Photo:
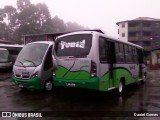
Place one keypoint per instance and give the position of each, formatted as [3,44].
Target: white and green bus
[90,59]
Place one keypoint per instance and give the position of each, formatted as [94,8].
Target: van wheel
[48,86]
[121,87]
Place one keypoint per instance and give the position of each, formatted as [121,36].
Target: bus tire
[121,87]
[48,85]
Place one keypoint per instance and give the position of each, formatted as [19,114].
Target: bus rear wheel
[48,86]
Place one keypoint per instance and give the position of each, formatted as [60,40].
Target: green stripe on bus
[62,72]
[118,73]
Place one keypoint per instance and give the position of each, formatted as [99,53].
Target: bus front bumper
[33,83]
[92,83]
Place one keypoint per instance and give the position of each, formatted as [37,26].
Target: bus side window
[119,53]
[110,51]
[135,57]
[130,60]
[102,50]
[128,53]
[48,60]
[106,51]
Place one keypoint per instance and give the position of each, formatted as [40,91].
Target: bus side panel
[119,71]
[104,77]
[73,69]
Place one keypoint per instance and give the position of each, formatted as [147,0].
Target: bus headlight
[34,75]
[54,71]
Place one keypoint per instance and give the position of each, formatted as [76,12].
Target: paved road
[78,102]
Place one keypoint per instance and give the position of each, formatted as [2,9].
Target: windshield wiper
[31,62]
[21,63]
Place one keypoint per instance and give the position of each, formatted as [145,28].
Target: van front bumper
[33,83]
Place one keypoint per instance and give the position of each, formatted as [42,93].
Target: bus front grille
[25,77]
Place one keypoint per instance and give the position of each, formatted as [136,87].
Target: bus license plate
[71,84]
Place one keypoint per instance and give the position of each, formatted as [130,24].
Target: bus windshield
[74,45]
[31,55]
[4,54]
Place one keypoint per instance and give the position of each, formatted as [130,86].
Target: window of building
[157,24]
[123,25]
[147,43]
[132,24]
[123,34]
[156,34]
[146,24]
[147,34]
[132,34]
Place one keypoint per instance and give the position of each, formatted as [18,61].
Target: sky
[98,14]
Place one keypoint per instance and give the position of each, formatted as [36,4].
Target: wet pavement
[71,103]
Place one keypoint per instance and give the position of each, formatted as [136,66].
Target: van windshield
[4,54]
[74,45]
[31,55]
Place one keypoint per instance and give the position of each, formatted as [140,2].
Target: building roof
[146,19]
[6,42]
[141,19]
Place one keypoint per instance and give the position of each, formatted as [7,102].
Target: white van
[33,67]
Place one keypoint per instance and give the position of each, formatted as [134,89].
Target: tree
[58,25]
[33,19]
[30,19]
[7,19]
[73,26]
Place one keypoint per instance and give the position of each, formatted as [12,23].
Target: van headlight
[34,75]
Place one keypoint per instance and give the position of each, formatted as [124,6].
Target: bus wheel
[48,86]
[121,87]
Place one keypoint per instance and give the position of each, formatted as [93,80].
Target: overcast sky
[102,14]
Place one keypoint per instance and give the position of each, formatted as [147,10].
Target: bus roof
[100,34]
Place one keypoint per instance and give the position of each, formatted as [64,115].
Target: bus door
[134,68]
[107,60]
[47,66]
[111,60]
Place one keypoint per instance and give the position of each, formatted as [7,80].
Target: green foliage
[30,19]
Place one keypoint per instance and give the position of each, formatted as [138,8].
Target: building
[145,32]
[6,42]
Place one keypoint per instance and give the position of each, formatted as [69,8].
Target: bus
[90,59]
[5,61]
[33,67]
[13,50]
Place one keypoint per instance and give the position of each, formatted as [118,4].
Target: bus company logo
[6,114]
[78,44]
